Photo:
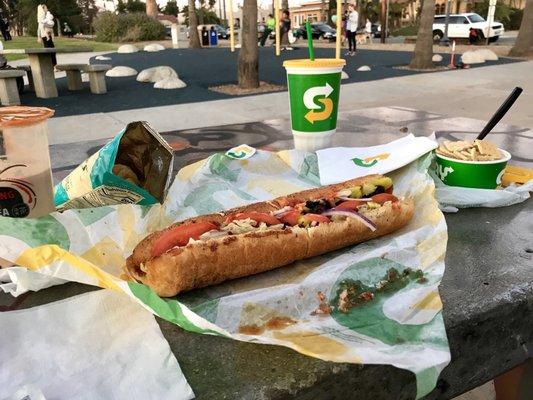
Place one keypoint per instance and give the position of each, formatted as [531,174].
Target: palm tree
[248,66]
[194,39]
[424,41]
[524,42]
[151,8]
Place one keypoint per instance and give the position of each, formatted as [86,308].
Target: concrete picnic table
[42,68]
[487,288]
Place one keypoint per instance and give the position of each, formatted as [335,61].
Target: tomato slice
[316,218]
[384,197]
[180,235]
[256,216]
[291,218]
[389,190]
[349,205]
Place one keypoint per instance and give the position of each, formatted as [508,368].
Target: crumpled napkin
[452,198]
[98,345]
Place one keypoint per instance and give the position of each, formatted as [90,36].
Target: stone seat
[27,69]
[9,94]
[97,77]
[73,75]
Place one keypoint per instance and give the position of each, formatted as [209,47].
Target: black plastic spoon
[498,115]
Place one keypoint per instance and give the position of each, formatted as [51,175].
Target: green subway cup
[314,88]
[471,174]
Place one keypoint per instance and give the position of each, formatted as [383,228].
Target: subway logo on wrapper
[370,161]
[241,152]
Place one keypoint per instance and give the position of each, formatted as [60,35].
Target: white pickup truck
[459,26]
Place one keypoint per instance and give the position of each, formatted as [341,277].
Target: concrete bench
[9,94]
[27,69]
[97,77]
[73,75]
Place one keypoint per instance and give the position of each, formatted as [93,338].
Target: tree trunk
[424,42]
[151,8]
[323,11]
[284,4]
[194,38]
[248,66]
[524,42]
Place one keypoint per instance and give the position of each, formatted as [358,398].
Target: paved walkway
[201,69]
[474,93]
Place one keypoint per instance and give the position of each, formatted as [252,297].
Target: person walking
[270,26]
[47,30]
[67,31]
[351,29]
[368,30]
[285,28]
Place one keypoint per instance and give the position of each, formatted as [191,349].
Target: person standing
[270,25]
[3,27]
[351,29]
[47,31]
[285,28]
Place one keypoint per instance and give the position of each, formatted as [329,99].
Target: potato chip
[457,146]
[479,150]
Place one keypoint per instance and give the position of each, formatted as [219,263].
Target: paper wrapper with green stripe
[402,327]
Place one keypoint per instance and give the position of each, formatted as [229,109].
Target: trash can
[213,36]
[205,37]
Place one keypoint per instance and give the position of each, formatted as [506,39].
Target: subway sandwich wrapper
[135,167]
[396,320]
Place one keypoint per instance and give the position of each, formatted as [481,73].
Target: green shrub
[515,19]
[501,14]
[134,27]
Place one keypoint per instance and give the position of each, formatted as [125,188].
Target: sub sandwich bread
[243,241]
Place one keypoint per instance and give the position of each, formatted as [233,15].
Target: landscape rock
[153,47]
[364,68]
[344,75]
[170,83]
[436,58]
[121,71]
[487,54]
[102,58]
[472,57]
[127,48]
[156,74]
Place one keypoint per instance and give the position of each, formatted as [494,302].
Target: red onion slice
[369,224]
[282,211]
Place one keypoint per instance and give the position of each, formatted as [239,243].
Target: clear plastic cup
[26,188]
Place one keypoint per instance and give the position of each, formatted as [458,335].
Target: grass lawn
[410,30]
[26,42]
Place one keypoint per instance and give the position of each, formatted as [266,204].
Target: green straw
[310,41]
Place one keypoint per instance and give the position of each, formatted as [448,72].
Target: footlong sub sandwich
[210,249]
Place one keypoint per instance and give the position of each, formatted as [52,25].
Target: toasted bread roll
[207,262]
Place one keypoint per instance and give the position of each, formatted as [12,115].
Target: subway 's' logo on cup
[314,101]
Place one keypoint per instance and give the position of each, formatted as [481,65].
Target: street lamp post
[445,40]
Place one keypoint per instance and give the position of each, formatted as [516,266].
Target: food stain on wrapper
[134,167]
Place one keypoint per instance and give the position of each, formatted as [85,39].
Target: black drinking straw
[498,115]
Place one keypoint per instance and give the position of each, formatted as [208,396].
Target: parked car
[459,26]
[319,30]
[223,33]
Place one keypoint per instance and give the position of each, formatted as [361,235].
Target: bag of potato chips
[134,167]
